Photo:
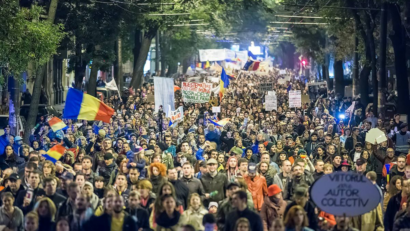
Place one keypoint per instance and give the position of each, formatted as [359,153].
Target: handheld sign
[345,193]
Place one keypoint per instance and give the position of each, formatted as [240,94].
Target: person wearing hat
[273,207]
[345,166]
[311,145]
[108,172]
[361,165]
[401,139]
[18,142]
[214,181]
[226,205]
[14,185]
[256,185]
[337,162]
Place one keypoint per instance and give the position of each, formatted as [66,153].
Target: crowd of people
[139,173]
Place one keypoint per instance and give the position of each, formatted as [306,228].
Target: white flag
[111,85]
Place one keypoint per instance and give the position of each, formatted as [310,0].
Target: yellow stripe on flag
[89,108]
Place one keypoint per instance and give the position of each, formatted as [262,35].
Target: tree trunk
[92,82]
[35,100]
[325,74]
[137,46]
[372,49]
[355,79]
[364,84]
[157,58]
[164,50]
[398,39]
[118,66]
[339,80]
[173,68]
[137,75]
[383,73]
[80,67]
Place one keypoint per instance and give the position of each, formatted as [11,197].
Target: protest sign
[305,99]
[216,109]
[177,115]
[265,87]
[196,92]
[271,102]
[271,92]
[282,72]
[345,194]
[164,95]
[281,81]
[295,99]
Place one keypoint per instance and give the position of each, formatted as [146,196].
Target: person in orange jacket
[257,186]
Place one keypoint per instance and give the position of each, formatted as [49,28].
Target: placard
[295,98]
[271,102]
[265,87]
[177,115]
[305,99]
[282,72]
[345,194]
[196,92]
[216,109]
[271,92]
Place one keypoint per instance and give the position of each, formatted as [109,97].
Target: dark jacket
[317,175]
[46,224]
[402,223]
[253,218]
[156,182]
[225,207]
[395,172]
[293,183]
[142,216]
[65,209]
[217,183]
[310,147]
[103,223]
[15,161]
[349,142]
[182,192]
[392,208]
[310,212]
[57,199]
[194,185]
[272,210]
[20,199]
[14,194]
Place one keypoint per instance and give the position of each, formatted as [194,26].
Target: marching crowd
[138,172]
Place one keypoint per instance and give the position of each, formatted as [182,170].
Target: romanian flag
[86,107]
[198,65]
[223,83]
[220,123]
[56,124]
[251,65]
[55,153]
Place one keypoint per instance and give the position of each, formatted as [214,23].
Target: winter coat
[182,192]
[392,208]
[258,188]
[272,177]
[194,217]
[402,223]
[194,185]
[371,221]
[156,182]
[270,211]
[216,183]
[253,218]
[164,223]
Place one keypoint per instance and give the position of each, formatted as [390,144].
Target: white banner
[177,115]
[211,55]
[282,72]
[216,109]
[164,94]
[242,55]
[295,99]
[271,102]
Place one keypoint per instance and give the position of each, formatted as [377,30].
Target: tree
[24,39]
